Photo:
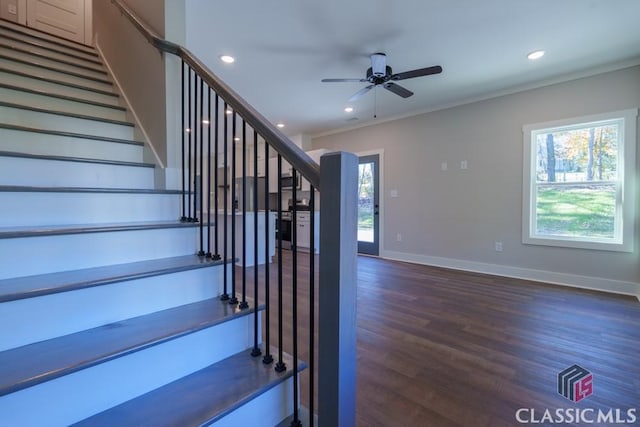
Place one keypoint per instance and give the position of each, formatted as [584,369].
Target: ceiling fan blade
[398,90]
[436,69]
[342,80]
[361,92]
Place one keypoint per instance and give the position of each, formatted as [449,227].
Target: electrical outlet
[463,165]
[444,166]
[12,9]
[399,237]
[498,246]
[394,193]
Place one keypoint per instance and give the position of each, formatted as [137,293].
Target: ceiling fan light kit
[381,74]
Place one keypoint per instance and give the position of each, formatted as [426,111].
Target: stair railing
[217,122]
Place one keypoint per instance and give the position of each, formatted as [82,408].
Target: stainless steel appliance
[250,190]
[284,229]
[288,182]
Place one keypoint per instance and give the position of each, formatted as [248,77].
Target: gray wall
[139,68]
[454,217]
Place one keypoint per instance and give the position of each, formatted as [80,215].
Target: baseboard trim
[555,278]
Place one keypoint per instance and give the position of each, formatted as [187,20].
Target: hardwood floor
[439,347]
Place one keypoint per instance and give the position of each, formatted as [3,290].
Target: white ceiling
[283,48]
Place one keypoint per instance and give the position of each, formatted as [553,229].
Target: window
[578,182]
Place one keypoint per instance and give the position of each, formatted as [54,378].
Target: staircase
[108,318]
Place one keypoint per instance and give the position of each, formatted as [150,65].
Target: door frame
[381,208]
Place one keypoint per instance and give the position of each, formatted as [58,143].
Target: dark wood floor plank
[439,347]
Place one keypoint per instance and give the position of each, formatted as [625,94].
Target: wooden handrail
[293,154]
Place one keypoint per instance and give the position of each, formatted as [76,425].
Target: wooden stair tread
[74,159]
[51,283]
[33,364]
[55,69]
[63,97]
[69,134]
[200,398]
[58,82]
[64,113]
[30,189]
[57,230]
[69,62]
[41,35]
[94,59]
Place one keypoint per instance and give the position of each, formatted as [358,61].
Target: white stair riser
[49,74]
[22,38]
[267,409]
[54,145]
[79,58]
[111,383]
[58,42]
[58,89]
[33,208]
[22,117]
[47,254]
[65,313]
[56,104]
[93,73]
[54,173]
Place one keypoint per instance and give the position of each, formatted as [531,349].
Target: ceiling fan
[381,74]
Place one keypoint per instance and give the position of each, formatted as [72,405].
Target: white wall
[453,218]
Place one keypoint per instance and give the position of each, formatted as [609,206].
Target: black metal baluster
[225,294]
[200,127]
[216,255]
[312,303]
[234,299]
[294,291]
[280,366]
[268,358]
[209,172]
[189,157]
[256,349]
[244,304]
[184,130]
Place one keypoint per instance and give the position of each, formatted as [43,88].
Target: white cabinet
[303,230]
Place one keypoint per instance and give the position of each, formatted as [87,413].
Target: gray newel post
[337,290]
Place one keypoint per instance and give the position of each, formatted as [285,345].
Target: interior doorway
[369,204]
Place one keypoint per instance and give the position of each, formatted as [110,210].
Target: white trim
[88,22]
[551,277]
[381,206]
[145,135]
[624,238]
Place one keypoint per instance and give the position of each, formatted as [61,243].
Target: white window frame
[626,198]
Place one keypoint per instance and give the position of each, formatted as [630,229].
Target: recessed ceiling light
[536,54]
[227,59]
[187,130]
[348,109]
[205,122]
[228,111]
[236,138]
[280,125]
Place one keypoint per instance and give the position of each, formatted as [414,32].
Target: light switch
[444,166]
[394,193]
[12,9]
[463,165]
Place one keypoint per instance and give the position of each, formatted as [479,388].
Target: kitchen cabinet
[303,227]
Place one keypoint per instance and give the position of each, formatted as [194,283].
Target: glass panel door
[368,205]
